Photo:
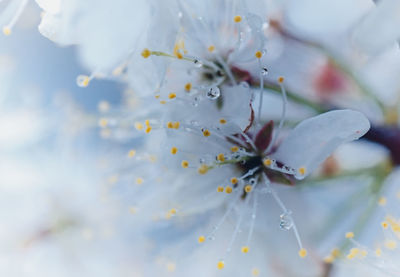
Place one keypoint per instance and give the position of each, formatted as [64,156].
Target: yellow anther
[330,259]
[153,158]
[83,80]
[349,235]
[139,180]
[103,122]
[245,249]
[163,102]
[350,256]
[268,162]
[6,30]
[138,126]
[221,157]
[170,125]
[220,188]
[201,239]
[188,87]
[222,121]
[385,225]
[147,122]
[302,252]
[157,96]
[132,210]
[234,180]
[211,48]
[203,169]
[220,265]
[146,53]
[354,251]
[258,54]
[248,188]
[382,201]
[172,211]
[171,267]
[234,149]
[302,170]
[206,133]
[228,189]
[174,150]
[185,164]
[237,18]
[364,253]
[378,252]
[148,129]
[281,80]
[390,244]
[335,252]
[131,153]
[172,95]
[176,125]
[255,272]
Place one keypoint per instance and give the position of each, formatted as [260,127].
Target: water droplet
[196,101]
[213,93]
[202,160]
[244,84]
[252,181]
[286,221]
[82,81]
[197,63]
[194,123]
[211,238]
[264,71]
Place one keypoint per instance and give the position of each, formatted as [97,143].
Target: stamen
[253,218]
[286,212]
[237,18]
[185,164]
[131,153]
[174,150]
[201,239]
[7,29]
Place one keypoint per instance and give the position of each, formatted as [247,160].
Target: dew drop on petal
[196,101]
[286,222]
[264,71]
[197,63]
[213,93]
[252,181]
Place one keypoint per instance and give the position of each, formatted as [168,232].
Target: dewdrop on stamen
[84,80]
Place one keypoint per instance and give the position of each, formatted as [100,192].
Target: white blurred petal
[380,28]
[314,139]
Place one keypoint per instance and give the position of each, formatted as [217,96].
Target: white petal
[380,28]
[322,17]
[314,139]
[50,6]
